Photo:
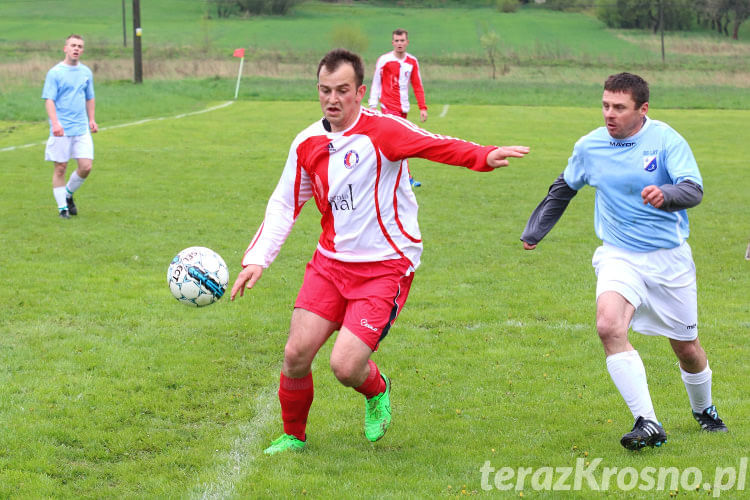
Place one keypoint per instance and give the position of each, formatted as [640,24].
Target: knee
[690,353]
[84,170]
[296,361]
[345,371]
[608,329]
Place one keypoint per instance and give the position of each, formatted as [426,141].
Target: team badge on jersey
[649,163]
[351,158]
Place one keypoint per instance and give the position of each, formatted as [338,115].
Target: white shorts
[660,285]
[62,149]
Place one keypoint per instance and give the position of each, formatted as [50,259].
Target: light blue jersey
[619,169]
[70,87]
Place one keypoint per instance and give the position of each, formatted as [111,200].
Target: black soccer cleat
[64,214]
[71,205]
[710,421]
[645,433]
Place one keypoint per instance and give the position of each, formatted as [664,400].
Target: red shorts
[386,111]
[365,297]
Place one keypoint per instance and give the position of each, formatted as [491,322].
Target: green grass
[121,102]
[176,28]
[110,388]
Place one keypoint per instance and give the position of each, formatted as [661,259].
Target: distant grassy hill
[546,57]
[191,29]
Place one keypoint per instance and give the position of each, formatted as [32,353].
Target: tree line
[678,15]
[723,16]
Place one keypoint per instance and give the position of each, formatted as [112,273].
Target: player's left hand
[93,126]
[423,115]
[498,157]
[652,194]
[246,279]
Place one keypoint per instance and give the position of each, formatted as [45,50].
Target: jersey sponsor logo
[649,163]
[351,158]
[364,323]
[343,201]
[621,144]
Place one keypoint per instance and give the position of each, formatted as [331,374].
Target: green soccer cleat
[283,443]
[378,413]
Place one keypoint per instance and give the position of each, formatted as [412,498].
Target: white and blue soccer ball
[197,276]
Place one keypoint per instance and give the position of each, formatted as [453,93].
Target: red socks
[373,384]
[296,397]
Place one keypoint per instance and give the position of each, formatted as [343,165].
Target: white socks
[74,182]
[698,386]
[629,375]
[60,194]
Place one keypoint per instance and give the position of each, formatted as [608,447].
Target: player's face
[399,42]
[339,96]
[73,50]
[621,116]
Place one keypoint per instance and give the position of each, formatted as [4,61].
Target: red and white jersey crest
[361,187]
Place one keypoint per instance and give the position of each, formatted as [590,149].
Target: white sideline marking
[241,457]
[560,325]
[445,111]
[139,122]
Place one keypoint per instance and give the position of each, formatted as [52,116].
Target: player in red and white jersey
[351,164]
[394,72]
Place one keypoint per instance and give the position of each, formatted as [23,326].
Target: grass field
[110,388]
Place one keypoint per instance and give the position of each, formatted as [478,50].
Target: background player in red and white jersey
[394,72]
[352,163]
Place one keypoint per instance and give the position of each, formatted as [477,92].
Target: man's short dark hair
[337,57]
[630,83]
[400,31]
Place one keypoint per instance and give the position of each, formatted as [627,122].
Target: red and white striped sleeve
[377,84]
[401,139]
[416,84]
[286,202]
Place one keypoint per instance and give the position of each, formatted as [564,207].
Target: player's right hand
[246,279]
[528,246]
[57,130]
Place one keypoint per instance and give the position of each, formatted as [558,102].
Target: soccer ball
[197,276]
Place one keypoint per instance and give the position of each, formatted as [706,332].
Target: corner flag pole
[241,54]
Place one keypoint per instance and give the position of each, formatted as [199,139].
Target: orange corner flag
[239,53]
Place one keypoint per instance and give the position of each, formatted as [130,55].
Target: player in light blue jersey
[69,100]
[645,177]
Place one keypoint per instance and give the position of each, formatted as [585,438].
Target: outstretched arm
[547,213]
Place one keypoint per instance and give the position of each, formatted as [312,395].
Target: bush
[350,37]
[226,8]
[568,5]
[507,5]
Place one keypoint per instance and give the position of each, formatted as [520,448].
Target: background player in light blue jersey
[69,100]
[645,177]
